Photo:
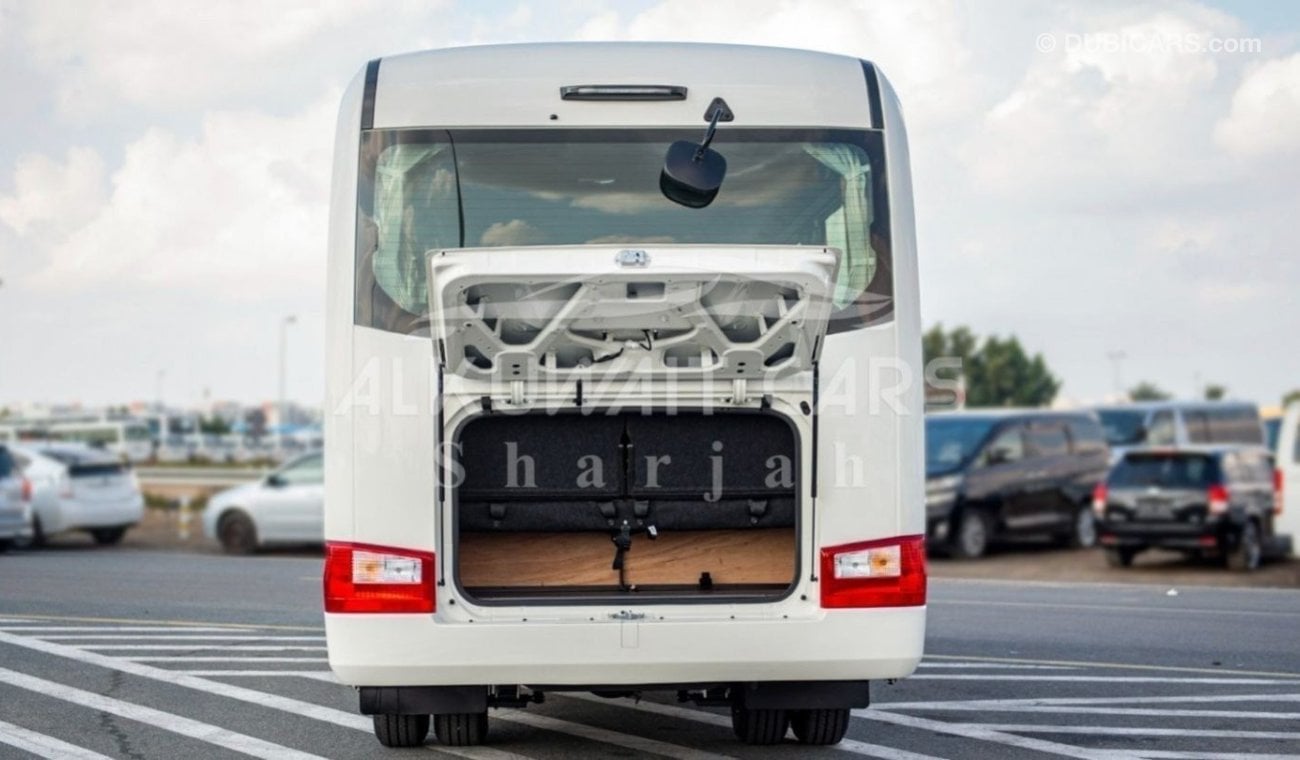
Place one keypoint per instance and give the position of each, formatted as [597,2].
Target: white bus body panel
[381,429]
[1288,461]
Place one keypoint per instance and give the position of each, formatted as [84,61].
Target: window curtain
[415,211]
[849,229]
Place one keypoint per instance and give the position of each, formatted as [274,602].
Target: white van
[1179,424]
[1287,459]
[624,386]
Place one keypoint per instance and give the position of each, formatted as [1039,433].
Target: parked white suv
[75,487]
[15,502]
[285,507]
[1287,477]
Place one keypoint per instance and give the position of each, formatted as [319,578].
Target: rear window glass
[1123,427]
[1088,436]
[1165,471]
[95,469]
[1047,440]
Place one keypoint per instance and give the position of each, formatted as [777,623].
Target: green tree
[1291,397]
[997,371]
[213,425]
[1215,392]
[1145,391]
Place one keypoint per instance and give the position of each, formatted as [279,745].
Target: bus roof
[519,85]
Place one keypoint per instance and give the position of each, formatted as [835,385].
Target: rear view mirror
[998,455]
[693,173]
[275,480]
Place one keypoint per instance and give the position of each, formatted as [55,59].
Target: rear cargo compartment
[571,507]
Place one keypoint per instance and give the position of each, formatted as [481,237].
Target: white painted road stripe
[161,658]
[1103,679]
[317,675]
[167,721]
[1199,733]
[110,629]
[308,709]
[44,746]
[1044,701]
[984,665]
[983,734]
[203,647]
[1076,710]
[176,637]
[1152,754]
[700,716]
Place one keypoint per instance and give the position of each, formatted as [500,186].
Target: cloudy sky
[1089,176]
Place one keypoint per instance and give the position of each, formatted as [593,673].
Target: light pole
[280,407]
[1116,358]
[158,389]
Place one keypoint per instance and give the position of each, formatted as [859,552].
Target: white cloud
[53,196]
[160,54]
[241,207]
[1265,116]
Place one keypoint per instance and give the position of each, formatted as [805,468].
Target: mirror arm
[708,135]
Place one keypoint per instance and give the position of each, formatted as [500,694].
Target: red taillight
[365,578]
[1100,495]
[884,573]
[1217,496]
[27,490]
[1277,491]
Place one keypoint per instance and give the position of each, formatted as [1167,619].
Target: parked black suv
[1203,500]
[996,473]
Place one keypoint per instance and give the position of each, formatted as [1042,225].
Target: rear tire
[461,729]
[35,540]
[759,726]
[1083,530]
[108,536]
[1120,556]
[973,535]
[237,533]
[822,726]
[6,544]
[401,730]
[1249,552]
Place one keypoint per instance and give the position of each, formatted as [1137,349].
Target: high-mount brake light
[1217,496]
[378,579]
[884,573]
[623,92]
[1100,495]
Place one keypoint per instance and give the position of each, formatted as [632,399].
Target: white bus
[624,386]
[129,439]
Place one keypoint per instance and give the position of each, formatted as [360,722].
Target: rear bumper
[1211,534]
[835,645]
[76,514]
[13,524]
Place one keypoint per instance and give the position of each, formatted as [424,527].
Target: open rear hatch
[576,495]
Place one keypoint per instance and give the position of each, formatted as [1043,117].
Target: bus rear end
[587,434]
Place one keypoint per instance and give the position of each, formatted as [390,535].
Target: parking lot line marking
[1078,710]
[205,647]
[1118,608]
[1036,701]
[174,637]
[313,674]
[301,708]
[155,622]
[1103,679]
[162,658]
[44,746]
[1199,733]
[700,716]
[970,731]
[177,724]
[1155,754]
[605,736]
[1122,665]
[107,629]
[984,665]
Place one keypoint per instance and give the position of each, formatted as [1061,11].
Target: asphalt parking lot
[147,654]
